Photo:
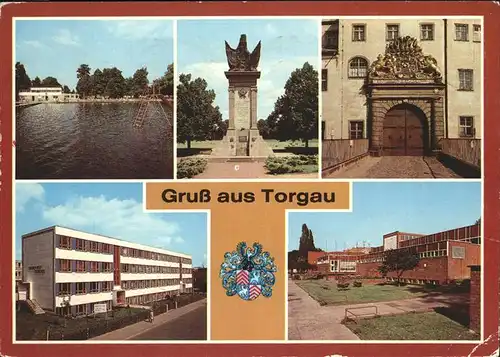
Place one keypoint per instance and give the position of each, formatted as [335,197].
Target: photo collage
[315,178]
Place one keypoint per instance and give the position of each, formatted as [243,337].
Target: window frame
[354,31]
[463,126]
[467,30]
[465,88]
[357,76]
[356,122]
[324,79]
[387,38]
[479,32]
[432,31]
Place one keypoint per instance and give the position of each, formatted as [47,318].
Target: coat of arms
[248,272]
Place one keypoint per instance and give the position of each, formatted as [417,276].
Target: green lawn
[275,144]
[326,292]
[413,326]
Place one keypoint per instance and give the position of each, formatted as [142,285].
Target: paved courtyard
[395,167]
[307,320]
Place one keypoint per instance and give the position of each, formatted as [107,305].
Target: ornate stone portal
[404,75]
[242,138]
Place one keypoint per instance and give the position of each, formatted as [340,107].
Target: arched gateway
[405,101]
[405,131]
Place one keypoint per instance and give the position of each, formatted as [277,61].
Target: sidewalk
[133,330]
[307,320]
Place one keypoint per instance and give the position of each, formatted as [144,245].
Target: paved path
[307,320]
[395,167]
[140,328]
[190,326]
[243,170]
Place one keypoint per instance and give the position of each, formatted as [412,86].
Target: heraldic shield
[248,272]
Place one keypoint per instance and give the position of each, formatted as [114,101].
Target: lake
[93,141]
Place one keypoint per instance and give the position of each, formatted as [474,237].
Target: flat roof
[108,240]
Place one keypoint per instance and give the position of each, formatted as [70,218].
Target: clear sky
[384,207]
[286,45]
[58,47]
[110,209]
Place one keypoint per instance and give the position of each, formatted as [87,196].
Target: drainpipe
[341,50]
[446,78]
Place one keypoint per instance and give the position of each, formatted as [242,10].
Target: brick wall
[475,298]
[427,269]
[460,268]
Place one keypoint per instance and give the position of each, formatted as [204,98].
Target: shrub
[189,167]
[342,285]
[357,284]
[289,164]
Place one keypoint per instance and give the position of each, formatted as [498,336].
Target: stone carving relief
[404,59]
[240,59]
[242,93]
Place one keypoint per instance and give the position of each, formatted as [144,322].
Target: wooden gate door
[403,133]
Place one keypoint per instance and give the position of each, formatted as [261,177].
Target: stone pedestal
[242,137]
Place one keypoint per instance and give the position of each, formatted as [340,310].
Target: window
[64,265]
[105,248]
[94,287]
[64,242]
[465,77]
[94,246]
[324,80]
[80,288]
[94,267]
[466,126]
[64,289]
[358,68]
[106,267]
[80,266]
[392,32]
[358,33]
[81,309]
[476,33]
[331,40]
[461,32]
[458,252]
[80,244]
[427,32]
[356,129]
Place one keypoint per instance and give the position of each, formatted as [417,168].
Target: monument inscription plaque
[242,112]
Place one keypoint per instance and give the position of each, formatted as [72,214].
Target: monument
[242,139]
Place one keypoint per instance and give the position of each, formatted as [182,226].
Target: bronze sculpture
[240,59]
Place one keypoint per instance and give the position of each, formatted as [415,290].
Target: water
[93,141]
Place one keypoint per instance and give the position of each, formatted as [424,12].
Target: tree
[398,261]
[37,82]
[478,221]
[98,83]
[140,82]
[23,81]
[84,84]
[295,114]
[165,84]
[264,129]
[197,117]
[50,82]
[66,89]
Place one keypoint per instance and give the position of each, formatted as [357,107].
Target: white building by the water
[46,94]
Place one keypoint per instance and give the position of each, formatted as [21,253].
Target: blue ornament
[248,272]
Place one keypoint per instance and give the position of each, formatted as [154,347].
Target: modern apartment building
[444,256]
[68,271]
[404,84]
